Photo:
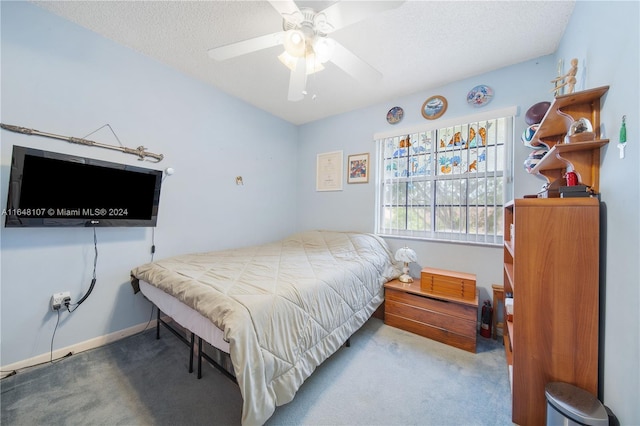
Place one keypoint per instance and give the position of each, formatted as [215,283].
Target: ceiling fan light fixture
[290,62]
[313,64]
[323,48]
[294,43]
[304,38]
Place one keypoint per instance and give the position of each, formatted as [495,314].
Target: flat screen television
[54,189]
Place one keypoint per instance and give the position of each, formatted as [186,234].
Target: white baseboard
[77,348]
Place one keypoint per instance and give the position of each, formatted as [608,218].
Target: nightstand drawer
[434,333]
[469,312]
[448,283]
[436,318]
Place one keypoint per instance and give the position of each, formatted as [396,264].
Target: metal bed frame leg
[191,344]
[199,357]
[179,336]
[158,325]
[191,353]
[214,363]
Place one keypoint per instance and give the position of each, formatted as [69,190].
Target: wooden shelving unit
[508,282]
[582,157]
[551,266]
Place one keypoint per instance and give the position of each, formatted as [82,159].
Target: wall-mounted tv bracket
[139,151]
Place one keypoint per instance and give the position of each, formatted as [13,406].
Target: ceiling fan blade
[288,9]
[298,81]
[247,46]
[351,64]
[345,13]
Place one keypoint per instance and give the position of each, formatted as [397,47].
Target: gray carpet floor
[387,377]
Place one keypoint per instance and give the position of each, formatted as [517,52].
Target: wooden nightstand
[446,319]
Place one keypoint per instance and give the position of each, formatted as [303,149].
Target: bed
[279,309]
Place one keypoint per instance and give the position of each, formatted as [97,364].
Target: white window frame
[490,239]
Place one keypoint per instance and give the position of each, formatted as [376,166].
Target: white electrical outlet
[59,299]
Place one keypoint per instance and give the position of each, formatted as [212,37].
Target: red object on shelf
[572,179]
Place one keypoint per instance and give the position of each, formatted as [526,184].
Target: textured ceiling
[416,46]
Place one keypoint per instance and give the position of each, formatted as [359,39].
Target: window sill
[497,245]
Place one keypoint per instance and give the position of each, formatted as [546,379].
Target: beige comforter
[284,307]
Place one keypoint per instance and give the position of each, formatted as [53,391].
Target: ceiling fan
[305,39]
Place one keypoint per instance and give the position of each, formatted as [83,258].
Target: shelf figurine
[569,79]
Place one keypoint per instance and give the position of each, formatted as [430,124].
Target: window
[447,182]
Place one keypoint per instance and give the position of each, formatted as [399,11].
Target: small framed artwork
[329,171]
[434,107]
[358,168]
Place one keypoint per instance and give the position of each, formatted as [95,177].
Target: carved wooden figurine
[569,79]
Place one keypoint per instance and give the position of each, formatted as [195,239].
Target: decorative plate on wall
[480,95]
[395,115]
[434,107]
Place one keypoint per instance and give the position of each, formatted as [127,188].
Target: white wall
[60,78]
[604,37]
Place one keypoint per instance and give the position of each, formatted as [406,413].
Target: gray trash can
[570,405]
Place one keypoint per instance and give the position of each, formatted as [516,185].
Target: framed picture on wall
[329,171]
[434,107]
[358,168]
